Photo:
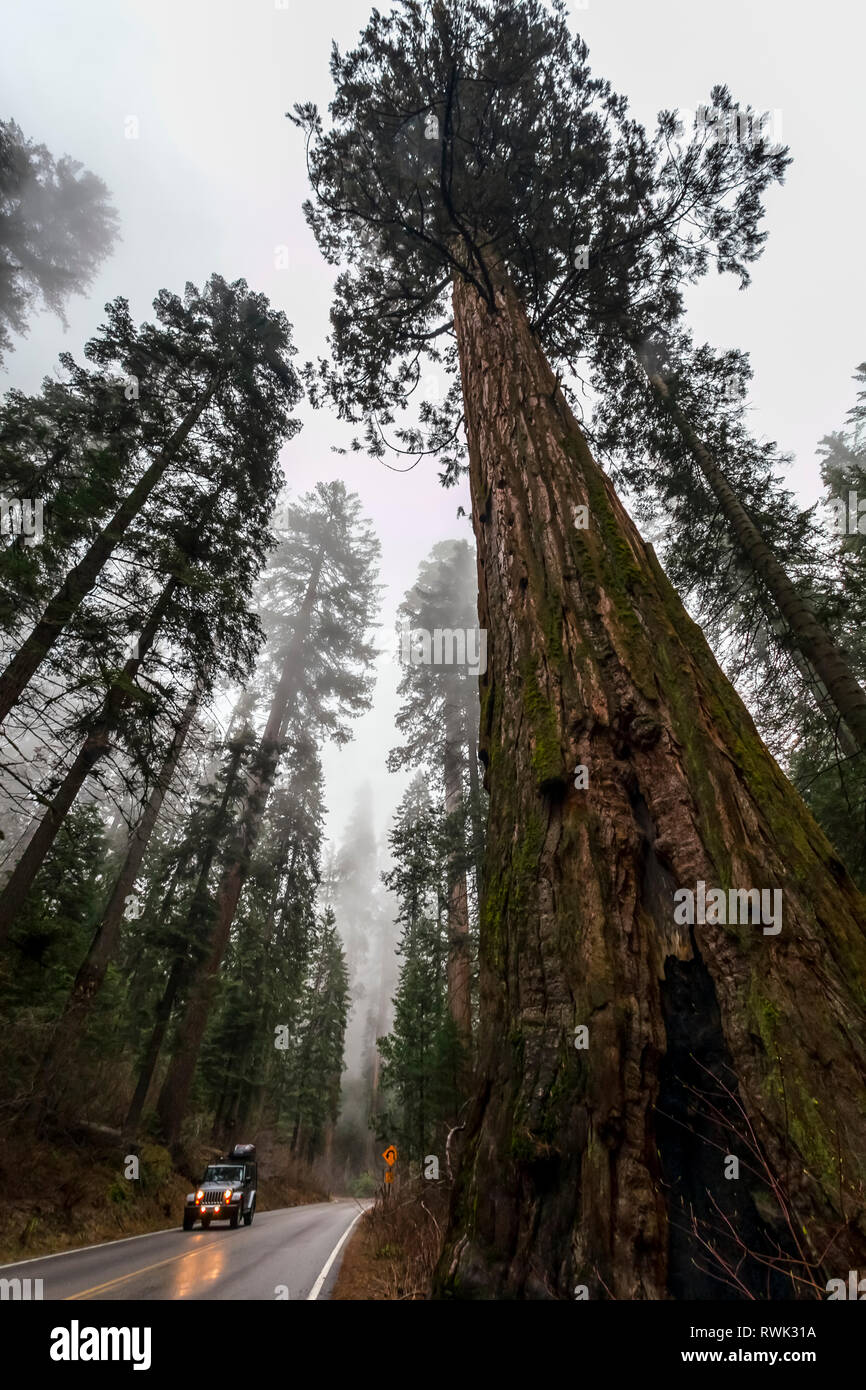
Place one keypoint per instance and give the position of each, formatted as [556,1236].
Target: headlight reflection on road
[190,1277]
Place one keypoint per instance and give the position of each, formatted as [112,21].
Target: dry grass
[395,1249]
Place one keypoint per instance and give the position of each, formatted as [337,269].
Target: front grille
[213,1199]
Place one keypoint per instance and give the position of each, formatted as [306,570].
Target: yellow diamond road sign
[390,1155]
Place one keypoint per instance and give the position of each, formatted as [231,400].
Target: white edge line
[317,1287]
[123,1240]
[100,1245]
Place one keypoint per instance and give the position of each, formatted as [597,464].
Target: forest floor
[70,1191]
[395,1246]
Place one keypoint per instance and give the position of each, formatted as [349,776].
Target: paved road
[285,1250]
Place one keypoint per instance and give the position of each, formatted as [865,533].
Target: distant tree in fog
[57,225]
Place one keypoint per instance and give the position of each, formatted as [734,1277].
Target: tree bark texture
[603,1167]
[458,968]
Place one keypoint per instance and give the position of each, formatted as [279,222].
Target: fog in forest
[432,466]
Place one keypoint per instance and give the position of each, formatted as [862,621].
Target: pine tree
[92,971]
[199,627]
[323,578]
[185,910]
[422,1055]
[213,371]
[352,888]
[200,612]
[439,717]
[56,227]
[52,934]
[268,961]
[315,1062]
[675,414]
[574,1170]
[794,714]
[69,451]
[830,773]
[600,224]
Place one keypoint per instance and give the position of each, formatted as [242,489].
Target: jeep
[227,1191]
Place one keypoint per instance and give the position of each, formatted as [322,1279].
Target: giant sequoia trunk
[459,974]
[604,1166]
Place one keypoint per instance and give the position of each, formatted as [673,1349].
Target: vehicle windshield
[217,1173]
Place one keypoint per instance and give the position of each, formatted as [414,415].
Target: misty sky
[216,179]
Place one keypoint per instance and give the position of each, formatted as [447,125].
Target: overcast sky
[216,179]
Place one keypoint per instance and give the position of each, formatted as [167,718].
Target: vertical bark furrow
[592,660]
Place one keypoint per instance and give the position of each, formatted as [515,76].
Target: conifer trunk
[594,1166]
[477,821]
[92,972]
[161,1019]
[178,1082]
[813,641]
[93,969]
[83,576]
[458,973]
[96,745]
[183,965]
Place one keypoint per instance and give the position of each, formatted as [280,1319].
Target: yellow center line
[173,1259]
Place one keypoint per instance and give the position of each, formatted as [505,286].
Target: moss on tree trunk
[601,1166]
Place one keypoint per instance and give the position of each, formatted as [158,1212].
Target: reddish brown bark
[582,1167]
[458,969]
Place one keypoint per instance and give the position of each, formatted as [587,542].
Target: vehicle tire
[205,1222]
[233,1219]
[248,1215]
[188,1220]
